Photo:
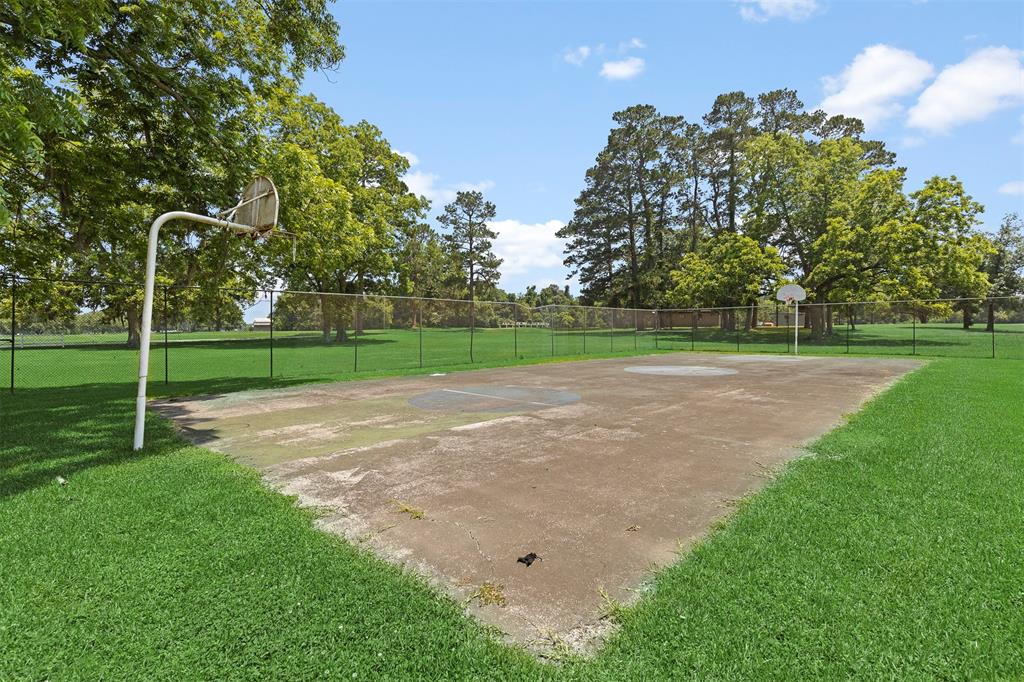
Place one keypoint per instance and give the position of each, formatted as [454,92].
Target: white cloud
[766,10]
[412,158]
[869,87]
[577,55]
[526,246]
[624,69]
[428,185]
[481,186]
[988,80]
[1013,188]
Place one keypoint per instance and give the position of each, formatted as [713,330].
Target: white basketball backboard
[790,293]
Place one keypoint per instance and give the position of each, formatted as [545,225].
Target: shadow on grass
[50,432]
[242,344]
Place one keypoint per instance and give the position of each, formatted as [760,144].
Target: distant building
[261,324]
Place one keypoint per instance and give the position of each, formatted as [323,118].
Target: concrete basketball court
[602,468]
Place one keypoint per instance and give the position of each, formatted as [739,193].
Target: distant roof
[261,320]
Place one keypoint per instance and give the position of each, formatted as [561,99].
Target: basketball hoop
[255,214]
[257,208]
[792,294]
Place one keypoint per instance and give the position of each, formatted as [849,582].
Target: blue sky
[516,98]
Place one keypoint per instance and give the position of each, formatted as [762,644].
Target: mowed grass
[894,550]
[252,355]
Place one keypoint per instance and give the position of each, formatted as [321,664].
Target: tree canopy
[813,200]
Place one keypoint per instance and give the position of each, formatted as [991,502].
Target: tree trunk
[816,317]
[134,327]
[728,319]
[828,320]
[968,318]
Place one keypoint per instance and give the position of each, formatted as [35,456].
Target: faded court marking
[764,358]
[492,399]
[681,370]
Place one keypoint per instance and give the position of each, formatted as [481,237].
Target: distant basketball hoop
[792,294]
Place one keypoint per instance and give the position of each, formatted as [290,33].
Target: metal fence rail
[68,333]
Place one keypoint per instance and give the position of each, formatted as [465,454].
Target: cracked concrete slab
[602,472]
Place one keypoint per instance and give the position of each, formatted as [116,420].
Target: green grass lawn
[894,550]
[247,355]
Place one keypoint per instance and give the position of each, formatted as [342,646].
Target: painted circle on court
[681,370]
[492,399]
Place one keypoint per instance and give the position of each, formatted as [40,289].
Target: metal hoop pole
[147,305]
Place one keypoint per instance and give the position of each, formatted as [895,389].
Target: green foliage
[552,294]
[803,183]
[468,239]
[730,269]
[117,112]
[1004,264]
[342,196]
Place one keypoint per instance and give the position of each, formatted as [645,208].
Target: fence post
[271,333]
[636,323]
[693,329]
[585,330]
[419,324]
[611,334]
[515,330]
[735,323]
[991,314]
[14,303]
[657,327]
[551,323]
[849,324]
[166,362]
[472,327]
[913,324]
[355,335]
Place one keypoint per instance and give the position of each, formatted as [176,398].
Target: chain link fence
[66,333]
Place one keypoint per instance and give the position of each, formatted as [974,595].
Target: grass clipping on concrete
[894,551]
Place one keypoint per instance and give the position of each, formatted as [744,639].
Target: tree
[839,218]
[342,195]
[728,267]
[955,250]
[423,267]
[729,127]
[139,108]
[1004,264]
[469,239]
[620,240]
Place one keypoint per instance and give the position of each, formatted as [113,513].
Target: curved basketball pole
[147,301]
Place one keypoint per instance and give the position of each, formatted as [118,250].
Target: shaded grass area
[178,564]
[190,357]
[893,552]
